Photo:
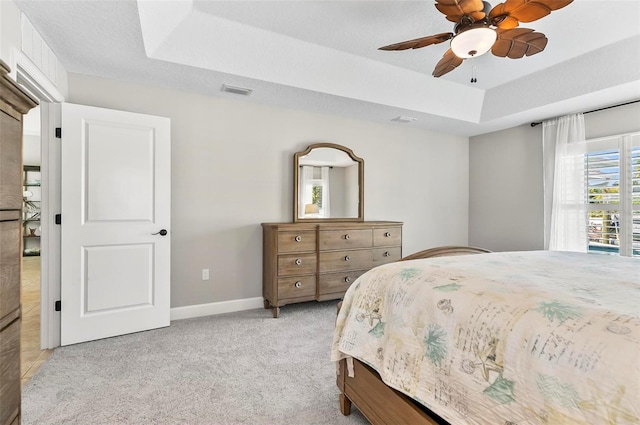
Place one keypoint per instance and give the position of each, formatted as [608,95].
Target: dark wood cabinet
[13,104]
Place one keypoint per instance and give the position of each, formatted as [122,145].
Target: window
[612,172]
[316,194]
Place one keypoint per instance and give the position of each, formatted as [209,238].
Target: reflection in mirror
[328,183]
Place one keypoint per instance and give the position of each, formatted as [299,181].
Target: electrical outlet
[205,274]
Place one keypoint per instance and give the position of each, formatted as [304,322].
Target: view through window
[612,168]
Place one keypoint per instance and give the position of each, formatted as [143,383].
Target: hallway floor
[31,355]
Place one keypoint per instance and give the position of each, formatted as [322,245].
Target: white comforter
[504,338]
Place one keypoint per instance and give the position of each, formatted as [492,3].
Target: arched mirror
[328,184]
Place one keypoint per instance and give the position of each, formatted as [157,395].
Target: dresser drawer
[333,261]
[386,255]
[295,264]
[345,239]
[10,372]
[10,256]
[387,236]
[331,283]
[296,286]
[296,241]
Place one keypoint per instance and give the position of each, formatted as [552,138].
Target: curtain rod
[533,124]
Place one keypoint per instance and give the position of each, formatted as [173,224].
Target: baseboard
[199,310]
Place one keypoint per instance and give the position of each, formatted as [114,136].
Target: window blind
[612,174]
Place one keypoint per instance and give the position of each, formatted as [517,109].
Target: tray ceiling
[322,56]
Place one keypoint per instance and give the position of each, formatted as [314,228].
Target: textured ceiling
[322,56]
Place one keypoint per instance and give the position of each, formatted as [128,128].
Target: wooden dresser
[318,261]
[13,103]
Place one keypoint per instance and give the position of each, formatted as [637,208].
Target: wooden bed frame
[379,403]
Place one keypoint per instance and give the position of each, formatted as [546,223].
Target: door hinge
[57,306]
[58,218]
[59,132]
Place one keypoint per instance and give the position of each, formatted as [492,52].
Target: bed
[536,337]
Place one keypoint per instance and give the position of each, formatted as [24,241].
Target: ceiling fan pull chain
[474,78]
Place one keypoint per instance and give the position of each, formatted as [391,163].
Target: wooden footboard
[379,403]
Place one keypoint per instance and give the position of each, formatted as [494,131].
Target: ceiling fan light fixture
[473,42]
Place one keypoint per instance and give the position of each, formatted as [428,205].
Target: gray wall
[505,189]
[505,180]
[232,168]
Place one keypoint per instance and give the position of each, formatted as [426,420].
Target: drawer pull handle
[347,279]
[347,258]
[298,238]
[386,254]
[298,284]
[387,234]
[346,237]
[298,261]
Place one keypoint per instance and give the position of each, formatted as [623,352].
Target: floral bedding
[536,337]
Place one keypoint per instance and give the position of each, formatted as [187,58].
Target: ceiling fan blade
[419,42]
[454,10]
[518,42]
[508,14]
[448,63]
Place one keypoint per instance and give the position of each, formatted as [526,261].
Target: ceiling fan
[479,28]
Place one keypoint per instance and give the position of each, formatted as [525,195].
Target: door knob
[162,232]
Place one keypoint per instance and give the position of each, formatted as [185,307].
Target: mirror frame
[296,177]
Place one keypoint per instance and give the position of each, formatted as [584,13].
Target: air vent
[236,90]
[404,119]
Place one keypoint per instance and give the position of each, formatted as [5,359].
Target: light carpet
[237,368]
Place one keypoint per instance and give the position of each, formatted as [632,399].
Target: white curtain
[306,184]
[326,207]
[565,196]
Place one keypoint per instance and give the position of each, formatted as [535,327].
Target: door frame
[32,79]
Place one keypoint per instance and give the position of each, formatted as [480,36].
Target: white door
[115,223]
